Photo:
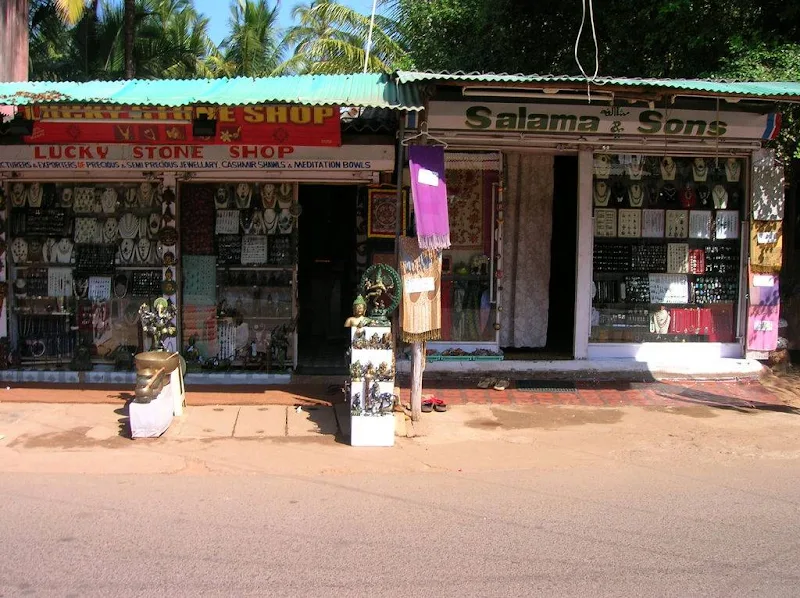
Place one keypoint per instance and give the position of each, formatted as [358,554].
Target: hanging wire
[589,79]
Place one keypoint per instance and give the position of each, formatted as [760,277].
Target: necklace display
[19,250]
[733,170]
[49,250]
[699,170]
[601,194]
[243,196]
[153,225]
[221,197]
[18,195]
[704,194]
[126,250]
[270,220]
[688,197]
[720,197]
[66,197]
[618,192]
[110,230]
[130,197]
[63,251]
[145,195]
[668,168]
[602,166]
[246,221]
[143,248]
[285,195]
[259,228]
[636,195]
[268,195]
[659,323]
[35,194]
[109,200]
[669,193]
[285,222]
[636,167]
[128,226]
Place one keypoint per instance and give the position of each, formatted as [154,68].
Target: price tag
[419,285]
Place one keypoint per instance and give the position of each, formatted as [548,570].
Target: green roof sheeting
[775,90]
[367,90]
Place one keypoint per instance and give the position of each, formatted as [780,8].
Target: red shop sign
[285,125]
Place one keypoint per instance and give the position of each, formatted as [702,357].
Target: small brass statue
[359,317]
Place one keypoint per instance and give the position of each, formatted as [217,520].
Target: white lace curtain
[528,227]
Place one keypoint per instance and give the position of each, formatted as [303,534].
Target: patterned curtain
[528,227]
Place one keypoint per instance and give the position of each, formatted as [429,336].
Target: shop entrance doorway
[326,276]
[563,256]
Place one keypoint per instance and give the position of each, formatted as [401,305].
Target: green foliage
[252,48]
[330,37]
[170,41]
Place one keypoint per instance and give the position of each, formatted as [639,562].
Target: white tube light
[599,96]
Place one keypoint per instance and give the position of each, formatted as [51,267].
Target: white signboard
[600,120]
[669,288]
[99,156]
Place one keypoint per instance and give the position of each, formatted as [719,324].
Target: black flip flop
[427,406]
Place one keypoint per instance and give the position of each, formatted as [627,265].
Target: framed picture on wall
[382,213]
[383,257]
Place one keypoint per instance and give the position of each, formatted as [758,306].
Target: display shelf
[270,268]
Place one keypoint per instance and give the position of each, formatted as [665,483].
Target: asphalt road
[621,529]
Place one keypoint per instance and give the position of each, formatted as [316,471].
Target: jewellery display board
[76,253]
[666,242]
[239,302]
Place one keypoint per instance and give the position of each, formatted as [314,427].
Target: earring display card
[653,224]
[697,261]
[605,222]
[630,223]
[649,258]
[678,258]
[59,282]
[227,222]
[726,224]
[99,288]
[700,224]
[254,250]
[677,224]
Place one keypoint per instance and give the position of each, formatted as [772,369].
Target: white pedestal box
[151,420]
[372,430]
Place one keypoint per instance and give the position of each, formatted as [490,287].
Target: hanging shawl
[429,191]
[422,309]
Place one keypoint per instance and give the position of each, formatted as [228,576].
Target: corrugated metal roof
[777,90]
[367,90]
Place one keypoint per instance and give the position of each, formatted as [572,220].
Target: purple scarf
[429,192]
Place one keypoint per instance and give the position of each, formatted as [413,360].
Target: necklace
[109,200]
[243,196]
[154,225]
[110,230]
[19,250]
[130,197]
[66,197]
[18,195]
[286,195]
[704,194]
[720,197]
[259,228]
[268,195]
[126,249]
[669,192]
[636,168]
[668,169]
[732,170]
[601,194]
[143,250]
[63,251]
[688,198]
[120,286]
[128,226]
[35,195]
[145,195]
[49,251]
[270,220]
[636,195]
[602,166]
[699,170]
[246,220]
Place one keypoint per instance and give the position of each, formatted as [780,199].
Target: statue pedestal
[151,420]
[372,430]
[368,427]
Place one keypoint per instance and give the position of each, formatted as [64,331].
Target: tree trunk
[130,34]
[14,40]
[417,365]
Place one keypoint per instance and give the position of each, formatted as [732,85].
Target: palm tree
[171,40]
[330,37]
[252,48]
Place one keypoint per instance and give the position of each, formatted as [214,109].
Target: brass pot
[152,370]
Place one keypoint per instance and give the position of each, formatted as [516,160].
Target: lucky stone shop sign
[98,156]
[600,120]
[281,124]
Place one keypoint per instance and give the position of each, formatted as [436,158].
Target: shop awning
[786,91]
[367,90]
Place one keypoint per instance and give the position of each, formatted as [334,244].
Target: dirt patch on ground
[696,412]
[785,383]
[68,439]
[545,418]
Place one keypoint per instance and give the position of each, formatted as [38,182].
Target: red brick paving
[597,394]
